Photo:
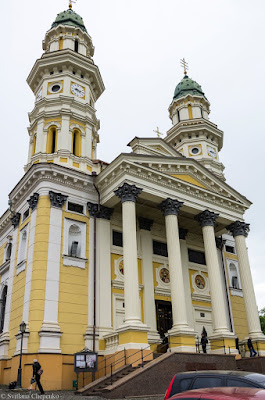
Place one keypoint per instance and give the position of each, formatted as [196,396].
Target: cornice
[63,59]
[126,165]
[62,106]
[51,173]
[5,222]
[195,125]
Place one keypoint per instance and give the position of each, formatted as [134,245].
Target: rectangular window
[117,238]
[160,248]
[197,257]
[75,207]
[230,249]
[26,214]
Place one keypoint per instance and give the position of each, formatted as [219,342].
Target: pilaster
[50,332]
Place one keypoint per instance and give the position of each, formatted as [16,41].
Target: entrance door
[164,316]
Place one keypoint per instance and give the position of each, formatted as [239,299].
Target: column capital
[104,212]
[145,223]
[206,218]
[128,192]
[15,220]
[183,233]
[33,201]
[238,228]
[57,199]
[170,207]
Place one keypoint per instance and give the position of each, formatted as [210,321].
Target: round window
[195,150]
[56,88]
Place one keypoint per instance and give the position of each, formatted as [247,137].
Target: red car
[226,393]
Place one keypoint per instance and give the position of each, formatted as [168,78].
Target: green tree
[262,319]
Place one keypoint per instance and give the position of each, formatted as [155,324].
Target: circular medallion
[200,281]
[121,267]
[164,275]
[77,90]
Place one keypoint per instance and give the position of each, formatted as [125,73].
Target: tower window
[230,249]
[77,143]
[56,88]
[76,46]
[8,252]
[51,140]
[178,115]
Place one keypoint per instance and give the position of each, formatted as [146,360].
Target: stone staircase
[152,379]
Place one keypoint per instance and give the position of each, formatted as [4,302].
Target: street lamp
[22,328]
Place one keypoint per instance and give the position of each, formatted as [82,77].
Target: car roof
[222,393]
[218,372]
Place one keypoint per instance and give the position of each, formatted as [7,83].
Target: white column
[207,221]
[128,195]
[148,279]
[186,277]
[240,231]
[170,209]
[50,332]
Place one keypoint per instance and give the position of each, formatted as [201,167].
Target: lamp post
[22,328]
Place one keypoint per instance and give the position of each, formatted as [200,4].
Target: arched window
[76,46]
[234,276]
[76,145]
[8,251]
[34,145]
[74,241]
[51,140]
[190,111]
[23,247]
[3,308]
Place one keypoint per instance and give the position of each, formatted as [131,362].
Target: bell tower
[66,84]
[192,134]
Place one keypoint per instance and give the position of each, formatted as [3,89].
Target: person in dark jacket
[36,367]
[204,342]
[253,352]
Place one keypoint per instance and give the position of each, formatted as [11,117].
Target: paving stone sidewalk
[23,394]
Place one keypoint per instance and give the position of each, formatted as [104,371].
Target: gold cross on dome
[184,65]
[159,134]
[71,3]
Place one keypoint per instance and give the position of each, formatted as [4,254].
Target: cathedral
[118,256]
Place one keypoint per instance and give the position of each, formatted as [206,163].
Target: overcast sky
[138,47]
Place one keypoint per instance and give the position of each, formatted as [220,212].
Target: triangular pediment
[180,175]
[152,146]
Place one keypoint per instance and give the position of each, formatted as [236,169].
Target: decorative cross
[184,64]
[159,134]
[71,3]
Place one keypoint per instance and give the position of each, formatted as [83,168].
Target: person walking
[204,342]
[253,352]
[37,374]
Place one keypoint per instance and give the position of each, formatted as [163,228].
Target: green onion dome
[69,17]
[188,86]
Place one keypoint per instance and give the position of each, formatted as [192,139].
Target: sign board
[86,361]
